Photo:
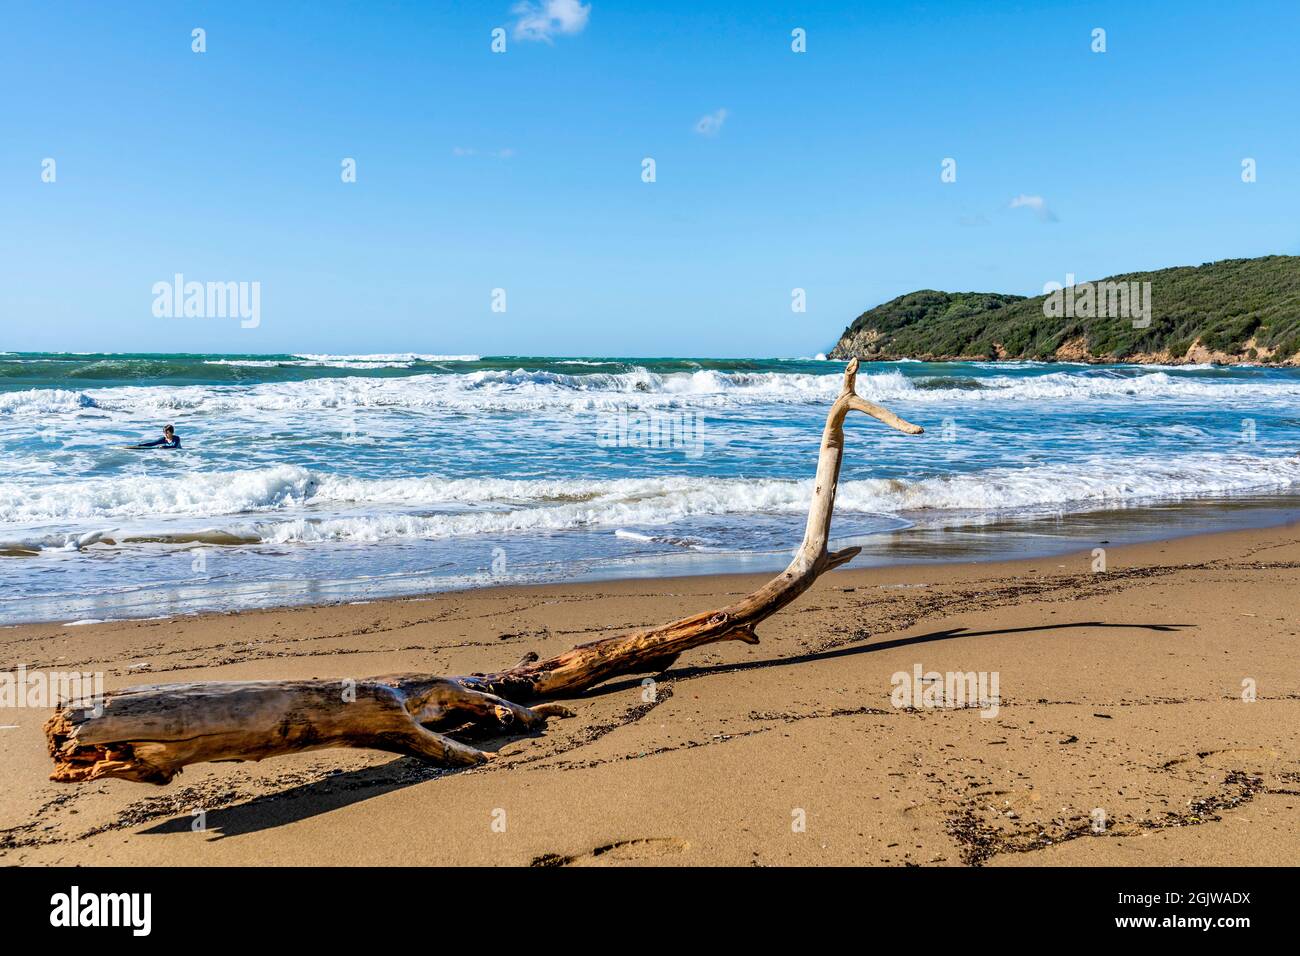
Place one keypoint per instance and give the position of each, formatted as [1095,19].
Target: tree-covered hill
[1236,310]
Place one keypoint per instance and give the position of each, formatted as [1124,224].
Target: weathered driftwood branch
[149,733]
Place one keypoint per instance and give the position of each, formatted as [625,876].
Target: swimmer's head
[169,431]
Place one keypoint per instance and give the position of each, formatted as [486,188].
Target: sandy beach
[1119,691]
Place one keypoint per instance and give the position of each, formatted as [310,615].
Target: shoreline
[1119,690]
[730,581]
[916,545]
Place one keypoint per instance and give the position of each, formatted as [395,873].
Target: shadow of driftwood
[344,789]
[897,643]
[307,800]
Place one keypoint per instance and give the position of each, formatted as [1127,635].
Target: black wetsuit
[174,442]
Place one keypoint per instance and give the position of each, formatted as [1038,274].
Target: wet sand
[1120,692]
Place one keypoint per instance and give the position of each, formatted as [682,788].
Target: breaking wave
[290,504]
[528,390]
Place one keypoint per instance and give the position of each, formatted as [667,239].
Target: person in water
[169,440]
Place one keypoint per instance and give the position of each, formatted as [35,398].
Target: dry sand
[1120,691]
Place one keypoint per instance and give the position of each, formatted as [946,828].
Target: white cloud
[1037,204]
[541,21]
[710,124]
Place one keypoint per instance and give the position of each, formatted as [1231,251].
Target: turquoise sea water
[317,477]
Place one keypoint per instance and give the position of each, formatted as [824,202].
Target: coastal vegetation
[1231,311]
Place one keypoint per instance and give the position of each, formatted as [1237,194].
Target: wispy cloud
[711,124]
[543,20]
[1037,204]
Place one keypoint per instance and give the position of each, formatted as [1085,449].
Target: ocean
[314,478]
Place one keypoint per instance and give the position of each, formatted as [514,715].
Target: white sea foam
[407,357]
[304,363]
[355,362]
[133,496]
[288,504]
[34,544]
[678,541]
[1095,482]
[39,402]
[249,363]
[529,390]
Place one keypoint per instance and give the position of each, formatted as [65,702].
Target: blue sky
[522,170]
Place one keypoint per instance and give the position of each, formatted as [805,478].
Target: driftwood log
[149,733]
